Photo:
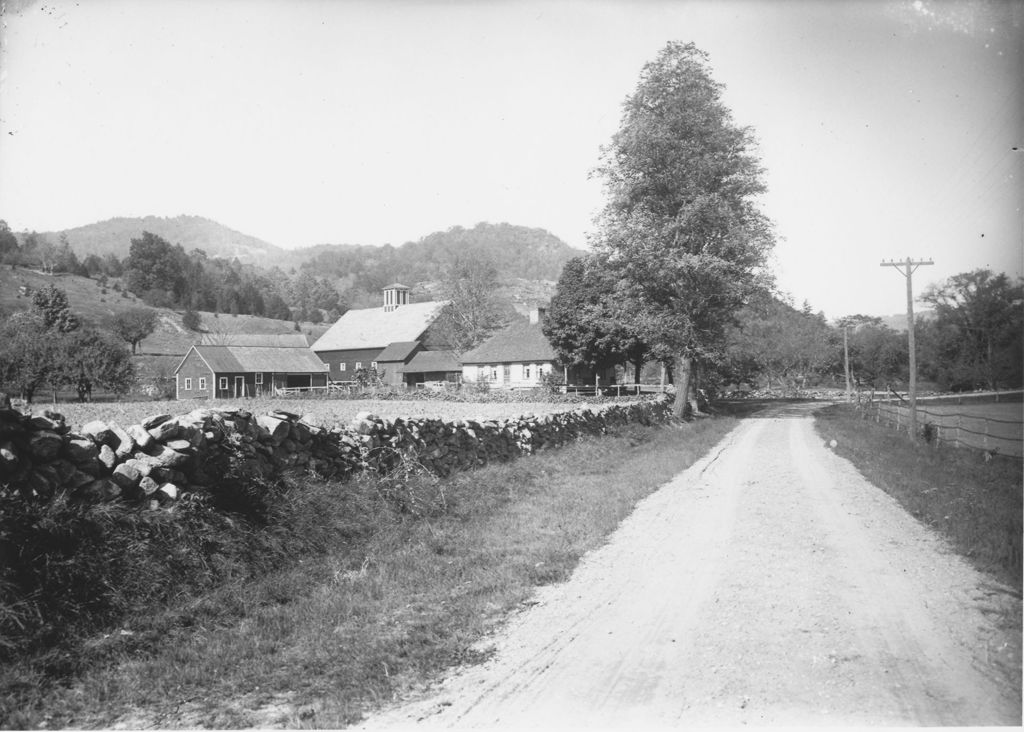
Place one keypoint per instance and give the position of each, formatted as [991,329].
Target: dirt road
[768,584]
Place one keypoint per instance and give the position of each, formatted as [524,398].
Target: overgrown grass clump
[974,501]
[70,569]
[326,598]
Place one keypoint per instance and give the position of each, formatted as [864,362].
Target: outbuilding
[230,372]
[519,356]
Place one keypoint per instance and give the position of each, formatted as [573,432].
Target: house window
[223,383]
[188,384]
[259,377]
[526,372]
[373,365]
[202,383]
[341,366]
[359,365]
[506,372]
[481,373]
[494,373]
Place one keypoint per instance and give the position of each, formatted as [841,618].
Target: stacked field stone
[154,463]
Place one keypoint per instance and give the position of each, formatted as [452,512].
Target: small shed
[409,363]
[230,372]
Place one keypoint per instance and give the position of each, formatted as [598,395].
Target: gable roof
[277,340]
[376,327]
[245,359]
[431,361]
[521,341]
[399,351]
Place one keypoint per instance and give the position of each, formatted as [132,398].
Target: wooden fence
[995,428]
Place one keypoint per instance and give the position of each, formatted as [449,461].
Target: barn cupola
[395,296]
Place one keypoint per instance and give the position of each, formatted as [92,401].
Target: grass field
[381,601]
[984,426]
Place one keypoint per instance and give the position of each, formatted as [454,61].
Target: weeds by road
[972,501]
[416,574]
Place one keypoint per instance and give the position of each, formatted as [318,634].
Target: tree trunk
[637,367]
[682,408]
[695,386]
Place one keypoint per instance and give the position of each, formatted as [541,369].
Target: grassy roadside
[975,504]
[418,571]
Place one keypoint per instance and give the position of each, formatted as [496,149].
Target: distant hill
[192,232]
[528,261]
[899,321]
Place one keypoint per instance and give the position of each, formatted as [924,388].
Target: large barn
[232,371]
[398,341]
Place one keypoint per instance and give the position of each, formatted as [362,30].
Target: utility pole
[907,269]
[846,361]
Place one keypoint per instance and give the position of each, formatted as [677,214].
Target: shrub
[192,320]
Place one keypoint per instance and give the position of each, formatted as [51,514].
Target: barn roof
[376,327]
[522,341]
[400,351]
[430,361]
[277,340]
[247,359]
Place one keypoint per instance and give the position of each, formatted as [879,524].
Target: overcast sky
[886,128]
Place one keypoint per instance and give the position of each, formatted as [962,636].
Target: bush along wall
[158,462]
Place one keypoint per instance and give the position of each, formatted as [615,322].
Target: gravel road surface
[769,584]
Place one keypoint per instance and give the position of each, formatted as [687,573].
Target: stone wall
[164,458]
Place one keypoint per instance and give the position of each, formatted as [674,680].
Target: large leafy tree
[976,338]
[680,226]
[96,359]
[8,242]
[587,323]
[25,354]
[133,325]
[472,312]
[783,345]
[51,304]
[878,354]
[156,270]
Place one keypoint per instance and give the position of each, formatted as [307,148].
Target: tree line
[971,338]
[164,275]
[49,348]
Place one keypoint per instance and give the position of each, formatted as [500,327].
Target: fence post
[956,434]
[985,439]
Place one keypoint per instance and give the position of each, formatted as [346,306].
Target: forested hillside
[517,254]
[197,264]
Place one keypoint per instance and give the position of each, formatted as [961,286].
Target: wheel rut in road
[769,583]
